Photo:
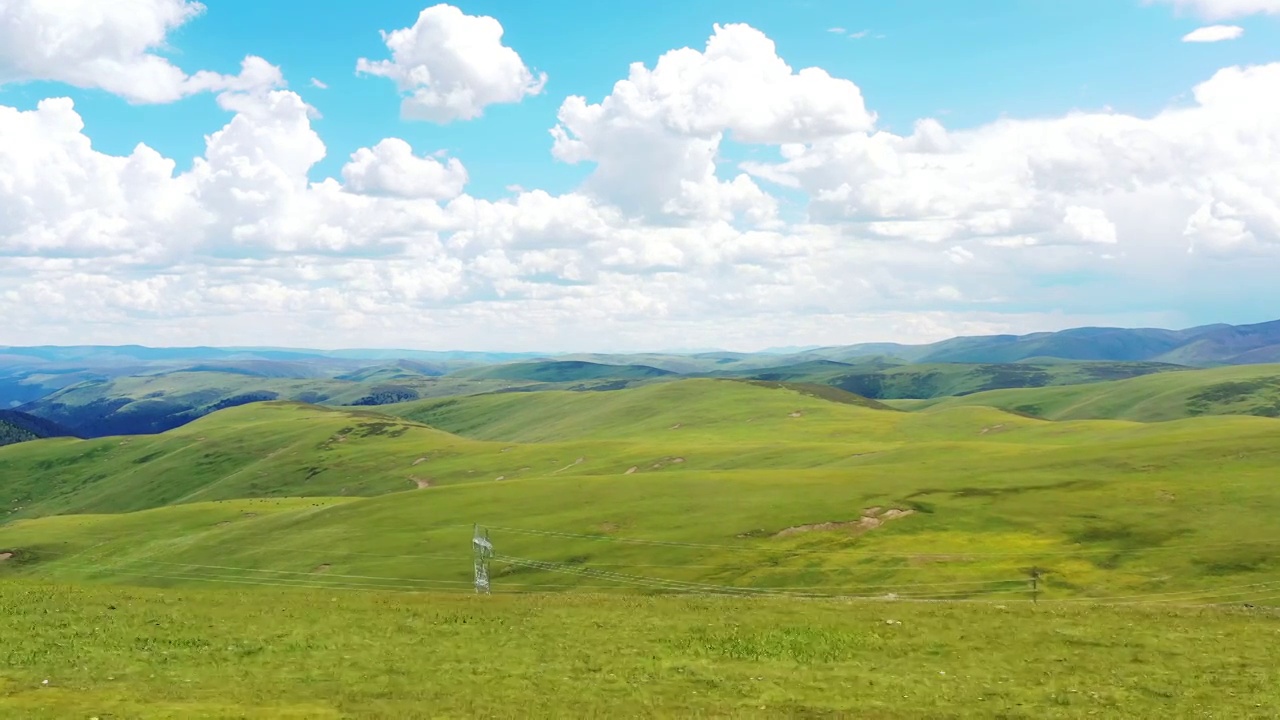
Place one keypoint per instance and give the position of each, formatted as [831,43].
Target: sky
[577,176]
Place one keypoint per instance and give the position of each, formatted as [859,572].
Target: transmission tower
[481,551]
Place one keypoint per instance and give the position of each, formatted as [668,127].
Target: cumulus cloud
[908,236]
[391,168]
[111,46]
[451,66]
[1223,9]
[655,138]
[1213,33]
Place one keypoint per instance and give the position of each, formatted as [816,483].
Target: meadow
[687,548]
[108,652]
[689,485]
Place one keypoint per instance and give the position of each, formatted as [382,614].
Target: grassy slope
[259,450]
[940,380]
[1242,390]
[1177,511]
[555,371]
[154,403]
[261,652]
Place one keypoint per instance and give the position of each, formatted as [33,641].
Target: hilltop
[1240,390]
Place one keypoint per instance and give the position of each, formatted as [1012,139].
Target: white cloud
[860,34]
[110,46]
[1213,33]
[391,168]
[1223,9]
[896,236]
[452,66]
[655,138]
[318,84]
[837,30]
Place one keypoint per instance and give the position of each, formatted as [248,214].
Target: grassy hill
[556,371]
[157,402]
[1240,390]
[688,485]
[884,381]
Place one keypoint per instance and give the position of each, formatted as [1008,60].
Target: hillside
[154,403]
[16,427]
[669,487]
[1239,390]
[556,371]
[883,381]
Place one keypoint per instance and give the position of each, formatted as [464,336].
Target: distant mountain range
[104,390]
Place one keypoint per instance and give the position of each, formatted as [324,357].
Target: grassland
[267,652]
[671,487]
[1239,390]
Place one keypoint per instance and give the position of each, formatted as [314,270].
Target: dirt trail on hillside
[422,483]
[5,556]
[872,517]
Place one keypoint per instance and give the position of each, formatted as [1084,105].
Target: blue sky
[968,65]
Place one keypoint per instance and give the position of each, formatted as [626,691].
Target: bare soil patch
[872,517]
[677,426]
[5,556]
[321,568]
[993,429]
[422,483]
[579,461]
[796,414]
[631,470]
[419,461]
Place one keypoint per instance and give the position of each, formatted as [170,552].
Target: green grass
[262,652]
[720,473]
[944,380]
[1237,390]
[281,560]
[559,371]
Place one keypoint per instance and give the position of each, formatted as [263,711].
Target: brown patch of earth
[5,556]
[579,461]
[872,517]
[796,414]
[501,477]
[422,483]
[631,470]
[321,568]
[419,461]
[677,426]
[992,429]
[608,527]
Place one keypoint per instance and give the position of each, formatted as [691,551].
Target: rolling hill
[882,380]
[1237,390]
[560,371]
[157,402]
[671,487]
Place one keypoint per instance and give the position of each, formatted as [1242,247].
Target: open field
[677,486]
[264,652]
[1242,390]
